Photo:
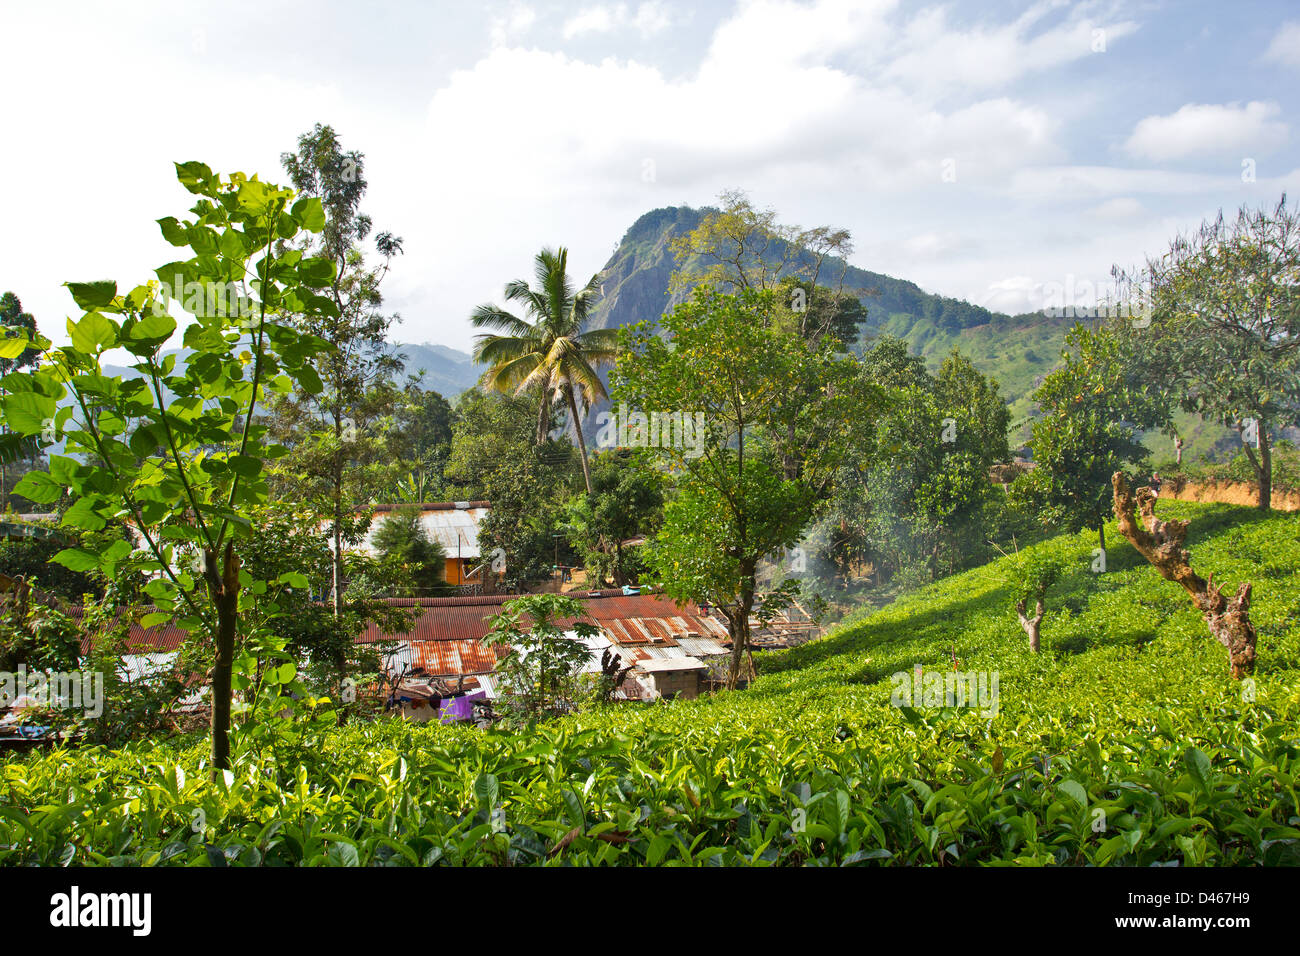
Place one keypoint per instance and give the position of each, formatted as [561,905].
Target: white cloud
[1086,182]
[514,24]
[1013,295]
[598,19]
[831,111]
[1119,208]
[650,18]
[1209,129]
[934,57]
[1285,48]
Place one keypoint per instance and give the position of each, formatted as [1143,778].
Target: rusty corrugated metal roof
[161,637]
[628,621]
[648,619]
[453,658]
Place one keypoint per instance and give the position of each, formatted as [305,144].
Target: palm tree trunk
[582,442]
[543,419]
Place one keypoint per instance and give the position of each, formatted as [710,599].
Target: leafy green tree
[29,558]
[822,311]
[738,246]
[539,674]
[338,457]
[1225,325]
[627,501]
[916,492]
[292,540]
[402,540]
[494,457]
[778,411]
[13,447]
[1094,408]
[550,352]
[35,635]
[1034,571]
[421,433]
[175,451]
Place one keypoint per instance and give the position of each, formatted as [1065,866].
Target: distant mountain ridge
[636,278]
[1018,351]
[447,371]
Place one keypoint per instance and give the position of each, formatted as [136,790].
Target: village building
[455,526]
[443,649]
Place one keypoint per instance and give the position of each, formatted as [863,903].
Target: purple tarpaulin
[453,709]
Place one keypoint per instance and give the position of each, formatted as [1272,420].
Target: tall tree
[733,360]
[1094,409]
[915,492]
[338,457]
[402,540]
[175,451]
[15,447]
[738,246]
[1226,323]
[550,352]
[628,503]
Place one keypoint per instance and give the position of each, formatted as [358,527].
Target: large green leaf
[38,486]
[173,231]
[28,412]
[310,213]
[92,295]
[13,345]
[77,559]
[92,333]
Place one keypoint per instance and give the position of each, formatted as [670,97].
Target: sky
[993,151]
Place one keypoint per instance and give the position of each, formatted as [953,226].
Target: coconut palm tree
[549,351]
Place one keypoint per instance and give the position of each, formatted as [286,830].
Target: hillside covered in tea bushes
[1123,743]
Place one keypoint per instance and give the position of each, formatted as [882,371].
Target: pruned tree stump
[1030,625]
[1163,544]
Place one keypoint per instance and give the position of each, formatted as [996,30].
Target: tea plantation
[1123,743]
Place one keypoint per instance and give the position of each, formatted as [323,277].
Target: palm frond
[510,376]
[599,345]
[495,349]
[585,299]
[579,373]
[489,316]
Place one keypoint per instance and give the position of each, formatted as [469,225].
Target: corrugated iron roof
[452,526]
[701,647]
[444,658]
[649,619]
[160,637]
[672,664]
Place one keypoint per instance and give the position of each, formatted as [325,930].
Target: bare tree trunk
[1031,625]
[543,419]
[738,623]
[1266,470]
[582,442]
[1161,543]
[223,586]
[1263,467]
[336,565]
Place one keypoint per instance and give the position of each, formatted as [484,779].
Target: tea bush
[1123,743]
